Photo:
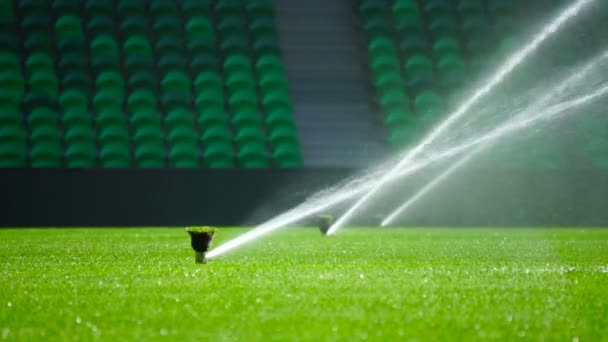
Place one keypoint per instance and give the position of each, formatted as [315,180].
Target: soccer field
[374,284]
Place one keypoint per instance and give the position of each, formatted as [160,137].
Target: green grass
[375,284]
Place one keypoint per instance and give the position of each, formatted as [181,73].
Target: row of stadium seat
[422,52]
[149,89]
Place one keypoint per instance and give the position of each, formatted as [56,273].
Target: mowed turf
[374,284]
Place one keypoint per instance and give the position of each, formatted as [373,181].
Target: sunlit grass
[379,284]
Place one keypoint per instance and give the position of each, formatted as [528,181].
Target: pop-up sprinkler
[201,241]
[324,222]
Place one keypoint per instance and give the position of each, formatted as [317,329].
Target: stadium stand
[136,83]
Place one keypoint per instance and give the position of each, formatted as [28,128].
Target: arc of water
[510,64]
[536,106]
[306,210]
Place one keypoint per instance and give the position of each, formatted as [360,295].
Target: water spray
[307,209]
[511,63]
[543,101]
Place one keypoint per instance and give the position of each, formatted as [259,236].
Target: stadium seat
[428,104]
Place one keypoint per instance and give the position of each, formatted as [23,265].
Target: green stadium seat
[219,155]
[98,7]
[137,45]
[183,134]
[80,156]
[37,62]
[45,144]
[179,117]
[241,82]
[77,80]
[35,98]
[393,100]
[43,82]
[38,41]
[287,156]
[184,156]
[414,44]
[110,80]
[444,46]
[196,8]
[70,61]
[149,140]
[160,8]
[474,25]
[452,71]
[68,26]
[66,7]
[167,26]
[105,45]
[35,21]
[146,117]
[243,102]
[177,82]
[406,8]
[11,87]
[501,7]
[41,117]
[129,8]
[443,25]
[260,7]
[208,81]
[101,24]
[252,155]
[235,43]
[134,25]
[437,7]
[170,44]
[376,25]
[172,62]
[273,81]
[269,64]
[110,118]
[76,117]
[143,80]
[229,7]
[470,7]
[107,99]
[278,118]
[216,132]
[419,71]
[141,99]
[284,134]
[400,137]
[372,6]
[237,63]
[174,100]
[115,155]
[428,104]
[149,156]
[204,62]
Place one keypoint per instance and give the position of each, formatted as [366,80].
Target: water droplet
[9,304]
[361,276]
[78,320]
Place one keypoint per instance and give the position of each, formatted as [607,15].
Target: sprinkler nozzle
[200,239]
[324,222]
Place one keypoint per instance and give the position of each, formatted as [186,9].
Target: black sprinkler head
[200,239]
[324,222]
